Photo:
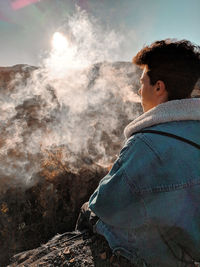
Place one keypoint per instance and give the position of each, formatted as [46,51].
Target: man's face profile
[151,95]
[146,91]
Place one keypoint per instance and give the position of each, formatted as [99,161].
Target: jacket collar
[174,110]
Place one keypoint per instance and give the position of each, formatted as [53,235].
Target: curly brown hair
[176,63]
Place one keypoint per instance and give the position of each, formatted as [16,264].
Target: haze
[27,26]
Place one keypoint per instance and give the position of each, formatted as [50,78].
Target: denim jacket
[149,202]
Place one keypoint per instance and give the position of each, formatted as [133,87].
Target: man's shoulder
[165,162]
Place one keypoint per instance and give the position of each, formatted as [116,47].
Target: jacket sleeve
[117,200]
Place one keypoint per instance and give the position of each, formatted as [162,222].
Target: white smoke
[71,102]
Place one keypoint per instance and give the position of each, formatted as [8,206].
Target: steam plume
[70,102]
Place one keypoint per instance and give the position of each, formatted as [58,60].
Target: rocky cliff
[57,141]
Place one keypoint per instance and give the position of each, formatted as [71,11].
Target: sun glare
[59,42]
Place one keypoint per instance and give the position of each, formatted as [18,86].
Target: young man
[148,205]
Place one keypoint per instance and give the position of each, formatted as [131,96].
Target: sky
[27,26]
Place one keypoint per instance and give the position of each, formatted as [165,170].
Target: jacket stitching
[129,144]
[149,144]
[172,187]
[137,192]
[132,185]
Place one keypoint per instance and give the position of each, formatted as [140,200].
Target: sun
[59,42]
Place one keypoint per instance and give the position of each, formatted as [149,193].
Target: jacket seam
[133,142]
[129,144]
[149,144]
[137,192]
[133,187]
[170,188]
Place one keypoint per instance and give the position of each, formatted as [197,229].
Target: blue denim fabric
[149,203]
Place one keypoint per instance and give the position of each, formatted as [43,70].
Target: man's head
[170,71]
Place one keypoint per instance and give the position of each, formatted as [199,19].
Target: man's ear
[160,87]
[160,90]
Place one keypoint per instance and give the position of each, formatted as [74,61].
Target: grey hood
[175,110]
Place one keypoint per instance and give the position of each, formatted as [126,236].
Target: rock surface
[63,250]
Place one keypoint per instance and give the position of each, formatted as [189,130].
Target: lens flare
[18,4]
[59,42]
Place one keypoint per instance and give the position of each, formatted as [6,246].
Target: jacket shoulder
[160,163]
